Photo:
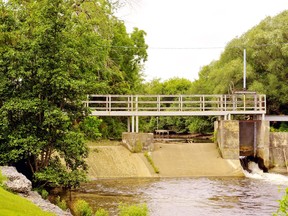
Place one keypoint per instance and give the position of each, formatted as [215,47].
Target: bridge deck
[176,105]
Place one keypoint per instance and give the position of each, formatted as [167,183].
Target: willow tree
[51,53]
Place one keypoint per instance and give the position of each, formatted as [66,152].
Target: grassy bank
[12,205]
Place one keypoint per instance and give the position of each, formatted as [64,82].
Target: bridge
[133,106]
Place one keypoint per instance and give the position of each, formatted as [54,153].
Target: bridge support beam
[133,124]
[137,124]
[128,124]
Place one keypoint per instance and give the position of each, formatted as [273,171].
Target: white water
[257,173]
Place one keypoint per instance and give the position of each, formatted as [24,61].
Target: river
[255,194]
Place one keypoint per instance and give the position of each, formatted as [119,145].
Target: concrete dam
[233,139]
[172,160]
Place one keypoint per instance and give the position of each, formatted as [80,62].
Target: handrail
[235,103]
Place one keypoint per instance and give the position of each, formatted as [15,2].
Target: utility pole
[244,70]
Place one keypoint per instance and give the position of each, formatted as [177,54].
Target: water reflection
[186,196]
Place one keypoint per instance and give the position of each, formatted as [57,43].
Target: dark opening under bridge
[133,106]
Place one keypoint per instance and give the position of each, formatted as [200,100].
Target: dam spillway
[172,160]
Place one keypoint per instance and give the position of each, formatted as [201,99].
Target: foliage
[12,204]
[282,127]
[56,175]
[283,205]
[267,61]
[200,125]
[133,210]
[61,203]
[44,193]
[82,208]
[90,127]
[101,212]
[52,54]
[174,86]
[150,160]
[112,127]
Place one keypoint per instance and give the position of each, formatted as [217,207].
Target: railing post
[203,103]
[132,103]
[133,124]
[87,101]
[244,101]
[137,123]
[108,103]
[181,103]
[225,102]
[136,100]
[158,103]
[255,102]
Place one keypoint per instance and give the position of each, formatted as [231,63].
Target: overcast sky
[185,35]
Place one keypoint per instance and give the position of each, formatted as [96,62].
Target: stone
[16,182]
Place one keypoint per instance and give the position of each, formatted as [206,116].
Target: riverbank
[172,159]
[23,201]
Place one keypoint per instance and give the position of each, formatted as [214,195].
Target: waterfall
[256,173]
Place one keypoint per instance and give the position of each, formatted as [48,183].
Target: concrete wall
[263,142]
[227,136]
[137,142]
[228,139]
[278,149]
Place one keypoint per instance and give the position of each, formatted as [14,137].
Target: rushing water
[256,194]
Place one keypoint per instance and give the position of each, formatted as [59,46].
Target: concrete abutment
[243,138]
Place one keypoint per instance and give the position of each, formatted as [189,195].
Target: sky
[185,35]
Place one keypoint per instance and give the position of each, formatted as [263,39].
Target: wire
[197,48]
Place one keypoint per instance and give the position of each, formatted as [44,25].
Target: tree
[267,63]
[51,54]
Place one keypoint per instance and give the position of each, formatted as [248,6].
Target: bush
[200,125]
[283,205]
[133,210]
[82,208]
[90,127]
[102,212]
[61,203]
[44,194]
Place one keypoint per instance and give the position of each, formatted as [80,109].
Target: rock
[34,197]
[16,182]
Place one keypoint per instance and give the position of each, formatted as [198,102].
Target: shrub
[101,212]
[44,194]
[133,210]
[61,203]
[82,208]
[283,205]
[90,127]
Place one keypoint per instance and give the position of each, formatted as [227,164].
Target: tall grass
[156,169]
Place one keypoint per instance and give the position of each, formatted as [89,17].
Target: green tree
[267,63]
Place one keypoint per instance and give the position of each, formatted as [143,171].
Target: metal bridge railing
[234,103]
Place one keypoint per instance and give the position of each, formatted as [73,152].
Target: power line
[198,48]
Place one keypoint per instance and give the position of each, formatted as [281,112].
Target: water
[256,194]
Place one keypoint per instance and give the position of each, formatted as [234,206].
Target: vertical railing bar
[109,103]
